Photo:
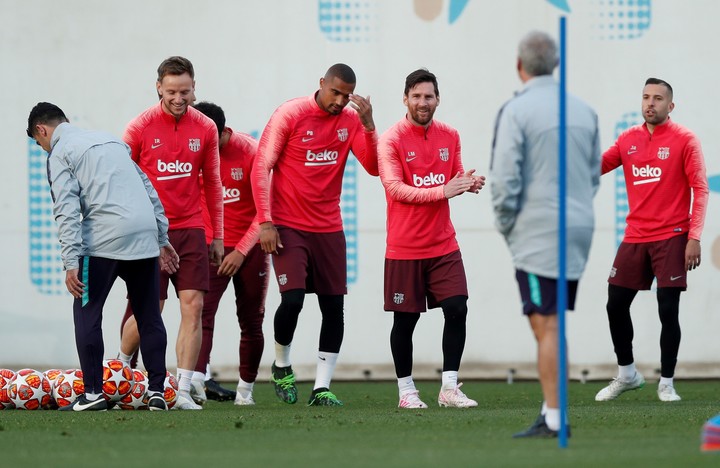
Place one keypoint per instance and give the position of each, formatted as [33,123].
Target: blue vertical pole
[562,241]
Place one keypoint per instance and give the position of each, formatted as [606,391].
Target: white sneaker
[184,402]
[411,400]
[618,386]
[455,398]
[241,400]
[667,393]
[197,391]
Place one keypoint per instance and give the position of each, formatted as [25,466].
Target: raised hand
[364,108]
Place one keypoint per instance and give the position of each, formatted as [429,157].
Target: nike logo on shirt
[305,140]
[673,278]
[156,146]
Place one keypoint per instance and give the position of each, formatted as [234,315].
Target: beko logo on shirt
[430,180]
[177,169]
[231,195]
[321,158]
[648,173]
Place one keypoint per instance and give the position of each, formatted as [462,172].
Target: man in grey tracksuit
[524,187]
[110,224]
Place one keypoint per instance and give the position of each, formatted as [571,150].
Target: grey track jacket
[103,203]
[524,178]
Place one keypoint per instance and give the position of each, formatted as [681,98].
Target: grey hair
[538,53]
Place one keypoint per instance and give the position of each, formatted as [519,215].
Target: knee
[619,299]
[455,309]
[331,308]
[191,306]
[544,327]
[251,323]
[292,301]
[208,321]
[192,300]
[668,303]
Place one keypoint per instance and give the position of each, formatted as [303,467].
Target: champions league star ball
[117,379]
[6,375]
[171,390]
[30,390]
[68,387]
[137,398]
[52,375]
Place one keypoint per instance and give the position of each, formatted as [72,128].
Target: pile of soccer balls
[29,389]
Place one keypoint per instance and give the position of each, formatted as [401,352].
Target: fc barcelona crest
[664,152]
[444,154]
[282,279]
[398,298]
[342,134]
[194,144]
[236,173]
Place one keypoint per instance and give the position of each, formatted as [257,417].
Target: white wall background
[97,60]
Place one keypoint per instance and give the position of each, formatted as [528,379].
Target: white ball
[171,390]
[117,379]
[52,375]
[137,398]
[30,390]
[6,375]
[68,387]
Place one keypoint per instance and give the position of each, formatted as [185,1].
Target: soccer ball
[6,375]
[137,398]
[117,379]
[68,387]
[30,390]
[52,375]
[171,390]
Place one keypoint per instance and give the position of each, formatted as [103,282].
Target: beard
[176,111]
[334,109]
[422,119]
[655,118]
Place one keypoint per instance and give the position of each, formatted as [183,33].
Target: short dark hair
[342,71]
[421,75]
[44,113]
[658,81]
[213,111]
[175,65]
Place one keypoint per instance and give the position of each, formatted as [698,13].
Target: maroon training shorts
[313,261]
[194,271]
[636,264]
[411,284]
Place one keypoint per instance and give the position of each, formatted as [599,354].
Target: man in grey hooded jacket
[524,187]
[110,223]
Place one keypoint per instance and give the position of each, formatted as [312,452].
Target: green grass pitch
[370,431]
